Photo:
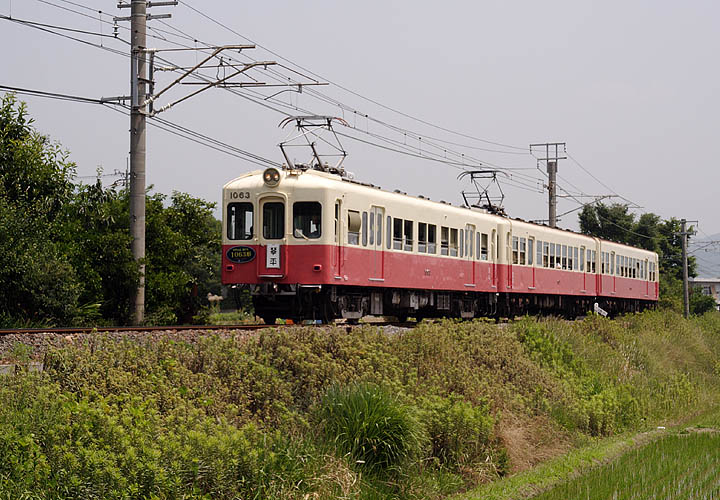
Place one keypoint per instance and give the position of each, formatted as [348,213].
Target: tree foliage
[65,248]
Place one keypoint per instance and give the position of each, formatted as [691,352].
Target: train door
[377,215]
[272,261]
[509,252]
[338,247]
[531,260]
[494,258]
[584,267]
[470,254]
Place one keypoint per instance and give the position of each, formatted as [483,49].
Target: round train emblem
[240,255]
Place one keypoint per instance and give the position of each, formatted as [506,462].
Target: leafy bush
[459,433]
[365,422]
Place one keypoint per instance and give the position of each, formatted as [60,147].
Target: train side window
[564,263]
[422,237]
[354,223]
[546,254]
[602,262]
[371,229]
[470,237]
[594,261]
[379,228]
[444,240]
[240,221]
[397,234]
[478,255]
[484,246]
[576,259]
[552,255]
[538,257]
[514,249]
[570,258]
[273,220]
[364,229]
[522,251]
[389,235]
[453,242]
[432,239]
[307,222]
[530,251]
[337,220]
[612,263]
[408,235]
[461,242]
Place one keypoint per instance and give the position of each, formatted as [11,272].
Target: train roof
[334,177]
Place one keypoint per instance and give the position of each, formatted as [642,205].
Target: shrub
[373,428]
[459,432]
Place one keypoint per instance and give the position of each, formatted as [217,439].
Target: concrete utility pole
[684,233]
[138,80]
[686,291]
[551,162]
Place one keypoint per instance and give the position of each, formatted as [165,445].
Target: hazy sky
[630,86]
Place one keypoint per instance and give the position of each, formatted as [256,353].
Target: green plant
[373,428]
[459,433]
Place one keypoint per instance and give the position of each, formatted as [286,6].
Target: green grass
[679,466]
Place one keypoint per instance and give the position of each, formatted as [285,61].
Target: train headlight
[271,177]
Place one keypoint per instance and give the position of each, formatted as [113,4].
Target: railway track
[205,328]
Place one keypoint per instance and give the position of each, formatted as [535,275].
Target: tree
[65,249]
[701,303]
[38,284]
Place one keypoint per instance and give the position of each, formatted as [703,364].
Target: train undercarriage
[326,303]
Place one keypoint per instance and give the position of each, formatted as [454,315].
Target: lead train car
[314,245]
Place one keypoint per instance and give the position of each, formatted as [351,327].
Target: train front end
[278,240]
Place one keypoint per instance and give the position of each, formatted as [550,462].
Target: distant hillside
[707,255]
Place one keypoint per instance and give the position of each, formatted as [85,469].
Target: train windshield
[307,222]
[240,221]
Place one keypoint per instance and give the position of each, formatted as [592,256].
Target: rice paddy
[680,466]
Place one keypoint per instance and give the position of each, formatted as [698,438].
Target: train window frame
[538,253]
[422,237]
[444,240]
[371,229]
[378,240]
[388,236]
[408,235]
[478,237]
[273,226]
[236,224]
[432,239]
[469,241]
[354,225]
[303,221]
[484,246]
[576,258]
[364,228]
[530,251]
[552,256]
[453,242]
[570,258]
[515,249]
[564,261]
[522,251]
[397,233]
[461,243]
[337,221]
[546,254]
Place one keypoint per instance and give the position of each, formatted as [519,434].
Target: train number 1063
[240,195]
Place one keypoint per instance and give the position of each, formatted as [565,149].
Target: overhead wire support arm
[196,67]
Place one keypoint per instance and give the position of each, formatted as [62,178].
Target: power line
[467,136]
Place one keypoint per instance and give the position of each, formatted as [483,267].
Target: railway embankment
[307,412]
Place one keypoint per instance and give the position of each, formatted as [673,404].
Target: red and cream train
[310,244]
